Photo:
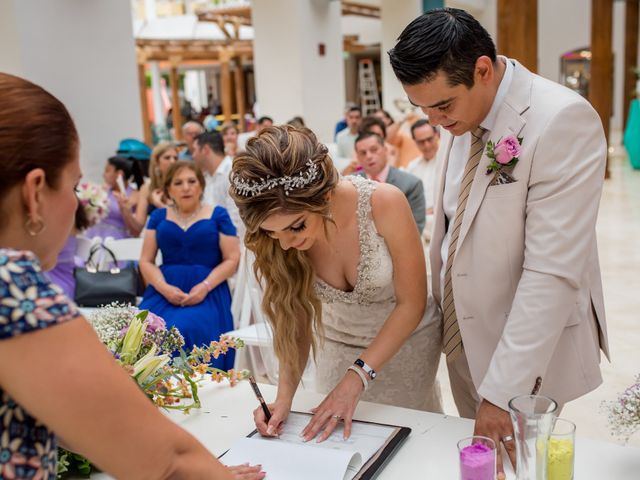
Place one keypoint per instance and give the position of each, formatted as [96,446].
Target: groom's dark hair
[446,39]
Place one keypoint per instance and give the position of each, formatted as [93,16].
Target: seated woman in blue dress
[200,251]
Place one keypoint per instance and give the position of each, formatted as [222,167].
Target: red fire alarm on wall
[321,49]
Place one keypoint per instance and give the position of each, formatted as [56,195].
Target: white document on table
[289,457]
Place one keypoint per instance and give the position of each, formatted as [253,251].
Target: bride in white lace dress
[344,273]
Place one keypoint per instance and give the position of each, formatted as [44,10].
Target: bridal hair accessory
[289,182]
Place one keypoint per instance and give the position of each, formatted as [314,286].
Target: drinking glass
[532,417]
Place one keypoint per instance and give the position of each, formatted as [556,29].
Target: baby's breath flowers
[624,413]
[154,356]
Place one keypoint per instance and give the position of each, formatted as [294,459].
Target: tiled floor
[619,246]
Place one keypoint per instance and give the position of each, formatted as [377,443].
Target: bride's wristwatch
[366,368]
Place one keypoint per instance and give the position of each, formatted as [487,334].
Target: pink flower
[507,149]
[154,322]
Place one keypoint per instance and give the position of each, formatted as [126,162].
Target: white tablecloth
[430,452]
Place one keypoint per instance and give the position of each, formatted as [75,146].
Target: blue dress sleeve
[28,300]
[223,221]
[156,217]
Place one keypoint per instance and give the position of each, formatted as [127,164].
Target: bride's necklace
[185,222]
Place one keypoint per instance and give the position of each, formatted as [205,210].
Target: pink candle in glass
[477,462]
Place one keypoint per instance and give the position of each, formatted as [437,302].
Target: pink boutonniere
[504,153]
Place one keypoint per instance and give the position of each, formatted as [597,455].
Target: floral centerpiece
[154,357]
[624,413]
[94,200]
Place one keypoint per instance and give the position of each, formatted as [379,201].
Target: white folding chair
[241,300]
[124,249]
[84,246]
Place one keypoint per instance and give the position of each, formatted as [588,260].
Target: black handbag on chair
[95,288]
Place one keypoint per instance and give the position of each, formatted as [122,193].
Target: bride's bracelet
[362,375]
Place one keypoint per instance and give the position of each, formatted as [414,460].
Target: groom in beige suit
[513,253]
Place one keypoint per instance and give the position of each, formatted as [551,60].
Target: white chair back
[85,245]
[125,249]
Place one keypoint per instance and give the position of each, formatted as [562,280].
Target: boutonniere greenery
[504,153]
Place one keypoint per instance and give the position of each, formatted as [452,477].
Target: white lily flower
[149,364]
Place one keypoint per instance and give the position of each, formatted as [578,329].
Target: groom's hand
[495,423]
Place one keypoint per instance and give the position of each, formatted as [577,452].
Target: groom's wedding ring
[507,438]
[337,417]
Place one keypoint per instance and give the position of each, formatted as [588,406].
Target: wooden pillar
[225,80]
[240,92]
[175,102]
[630,55]
[518,31]
[144,105]
[601,85]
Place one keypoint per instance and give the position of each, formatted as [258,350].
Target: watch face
[368,370]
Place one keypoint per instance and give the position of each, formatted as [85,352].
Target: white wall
[324,92]
[291,77]
[619,10]
[562,26]
[395,17]
[485,11]
[566,25]
[83,53]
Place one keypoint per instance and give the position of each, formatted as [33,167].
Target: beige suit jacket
[526,276]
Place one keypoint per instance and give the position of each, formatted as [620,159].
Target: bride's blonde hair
[289,301]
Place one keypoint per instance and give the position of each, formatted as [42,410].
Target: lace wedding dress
[352,319]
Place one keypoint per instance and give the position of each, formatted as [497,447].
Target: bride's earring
[34,227]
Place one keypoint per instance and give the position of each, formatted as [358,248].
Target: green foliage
[73,465]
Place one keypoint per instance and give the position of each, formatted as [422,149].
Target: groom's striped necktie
[451,339]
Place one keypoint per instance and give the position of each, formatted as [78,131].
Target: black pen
[263,404]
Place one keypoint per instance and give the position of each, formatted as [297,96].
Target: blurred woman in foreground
[50,357]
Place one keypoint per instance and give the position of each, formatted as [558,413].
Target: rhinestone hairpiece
[289,182]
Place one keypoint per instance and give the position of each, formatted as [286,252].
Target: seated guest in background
[230,138]
[372,156]
[427,139]
[208,154]
[62,273]
[151,194]
[346,137]
[121,221]
[200,251]
[42,331]
[342,123]
[243,138]
[401,140]
[343,269]
[375,125]
[190,130]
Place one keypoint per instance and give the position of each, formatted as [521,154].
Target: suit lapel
[391,176]
[508,121]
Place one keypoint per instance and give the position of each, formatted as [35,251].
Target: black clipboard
[377,462]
